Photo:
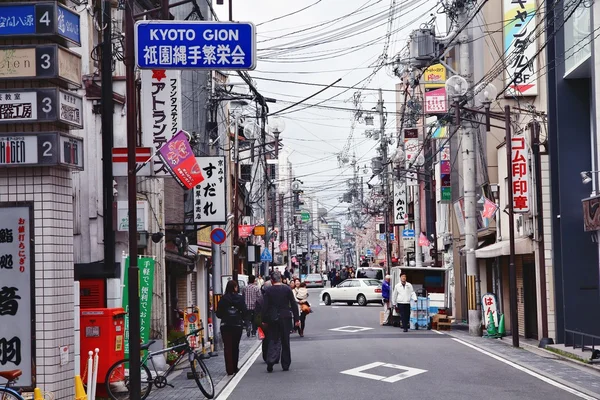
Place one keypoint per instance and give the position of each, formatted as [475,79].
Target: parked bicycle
[117,377]
[6,392]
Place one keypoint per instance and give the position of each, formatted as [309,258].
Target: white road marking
[407,372]
[528,371]
[335,307]
[351,329]
[224,395]
[438,332]
[321,304]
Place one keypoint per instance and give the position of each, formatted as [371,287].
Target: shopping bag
[261,333]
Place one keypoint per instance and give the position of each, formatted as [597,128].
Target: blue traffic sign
[195,45]
[39,19]
[408,233]
[369,253]
[266,256]
[218,236]
[316,247]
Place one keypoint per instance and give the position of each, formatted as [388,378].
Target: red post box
[102,328]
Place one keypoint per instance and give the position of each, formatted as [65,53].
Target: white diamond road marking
[351,329]
[408,372]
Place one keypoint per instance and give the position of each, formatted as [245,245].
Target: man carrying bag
[279,306]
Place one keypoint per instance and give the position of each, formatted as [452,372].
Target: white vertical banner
[519,168]
[161,110]
[210,206]
[16,294]
[400,203]
[521,72]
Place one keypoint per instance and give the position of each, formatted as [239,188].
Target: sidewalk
[581,378]
[187,388]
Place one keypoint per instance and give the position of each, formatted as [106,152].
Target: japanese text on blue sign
[195,45]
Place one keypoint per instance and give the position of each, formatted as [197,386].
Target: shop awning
[200,250]
[522,246]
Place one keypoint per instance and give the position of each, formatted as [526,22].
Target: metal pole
[417,211]
[434,216]
[133,272]
[512,269]
[535,144]
[231,10]
[386,186]
[107,139]
[470,188]
[236,213]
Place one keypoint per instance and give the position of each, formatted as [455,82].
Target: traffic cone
[79,390]
[491,329]
[501,329]
[37,394]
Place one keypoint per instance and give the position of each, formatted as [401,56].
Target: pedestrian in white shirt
[403,294]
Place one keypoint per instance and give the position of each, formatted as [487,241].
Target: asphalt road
[326,364]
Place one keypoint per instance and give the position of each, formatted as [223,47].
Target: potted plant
[172,357]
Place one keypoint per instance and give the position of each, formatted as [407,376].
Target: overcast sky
[356,32]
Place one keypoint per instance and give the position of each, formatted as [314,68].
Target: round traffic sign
[218,236]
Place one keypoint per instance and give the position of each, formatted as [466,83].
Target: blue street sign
[195,45]
[408,233]
[369,253]
[392,236]
[316,247]
[39,19]
[382,236]
[266,256]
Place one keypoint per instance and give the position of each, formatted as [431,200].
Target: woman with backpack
[231,310]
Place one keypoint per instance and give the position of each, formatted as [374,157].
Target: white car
[350,291]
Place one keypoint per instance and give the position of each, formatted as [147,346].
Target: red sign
[245,230]
[520,174]
[436,101]
[119,159]
[179,159]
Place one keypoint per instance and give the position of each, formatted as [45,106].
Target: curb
[225,381]
[529,367]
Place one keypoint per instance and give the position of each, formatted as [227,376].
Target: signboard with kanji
[436,101]
[520,174]
[434,76]
[16,298]
[400,203]
[521,72]
[209,196]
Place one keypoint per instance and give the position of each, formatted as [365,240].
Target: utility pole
[469,184]
[417,211]
[386,186]
[107,138]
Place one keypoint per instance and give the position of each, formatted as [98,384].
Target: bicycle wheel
[117,381]
[202,376]
[9,394]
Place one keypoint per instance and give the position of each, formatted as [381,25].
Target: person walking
[231,311]
[385,293]
[301,294]
[260,281]
[279,307]
[403,294]
[251,295]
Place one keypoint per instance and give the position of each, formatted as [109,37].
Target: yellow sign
[260,230]
[435,76]
[203,236]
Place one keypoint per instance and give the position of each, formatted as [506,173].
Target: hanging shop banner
[245,231]
[434,76]
[161,111]
[178,157]
[16,297]
[41,105]
[521,72]
[210,196]
[520,174]
[146,265]
[44,18]
[490,306]
[436,101]
[41,148]
[400,203]
[46,62]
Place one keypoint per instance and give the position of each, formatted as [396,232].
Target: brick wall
[50,190]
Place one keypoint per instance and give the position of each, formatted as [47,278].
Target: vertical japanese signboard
[520,174]
[161,111]
[146,265]
[445,171]
[400,203]
[411,149]
[521,72]
[16,342]
[489,303]
[209,196]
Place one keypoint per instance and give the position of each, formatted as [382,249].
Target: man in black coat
[279,307]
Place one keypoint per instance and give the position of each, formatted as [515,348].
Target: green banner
[146,265]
